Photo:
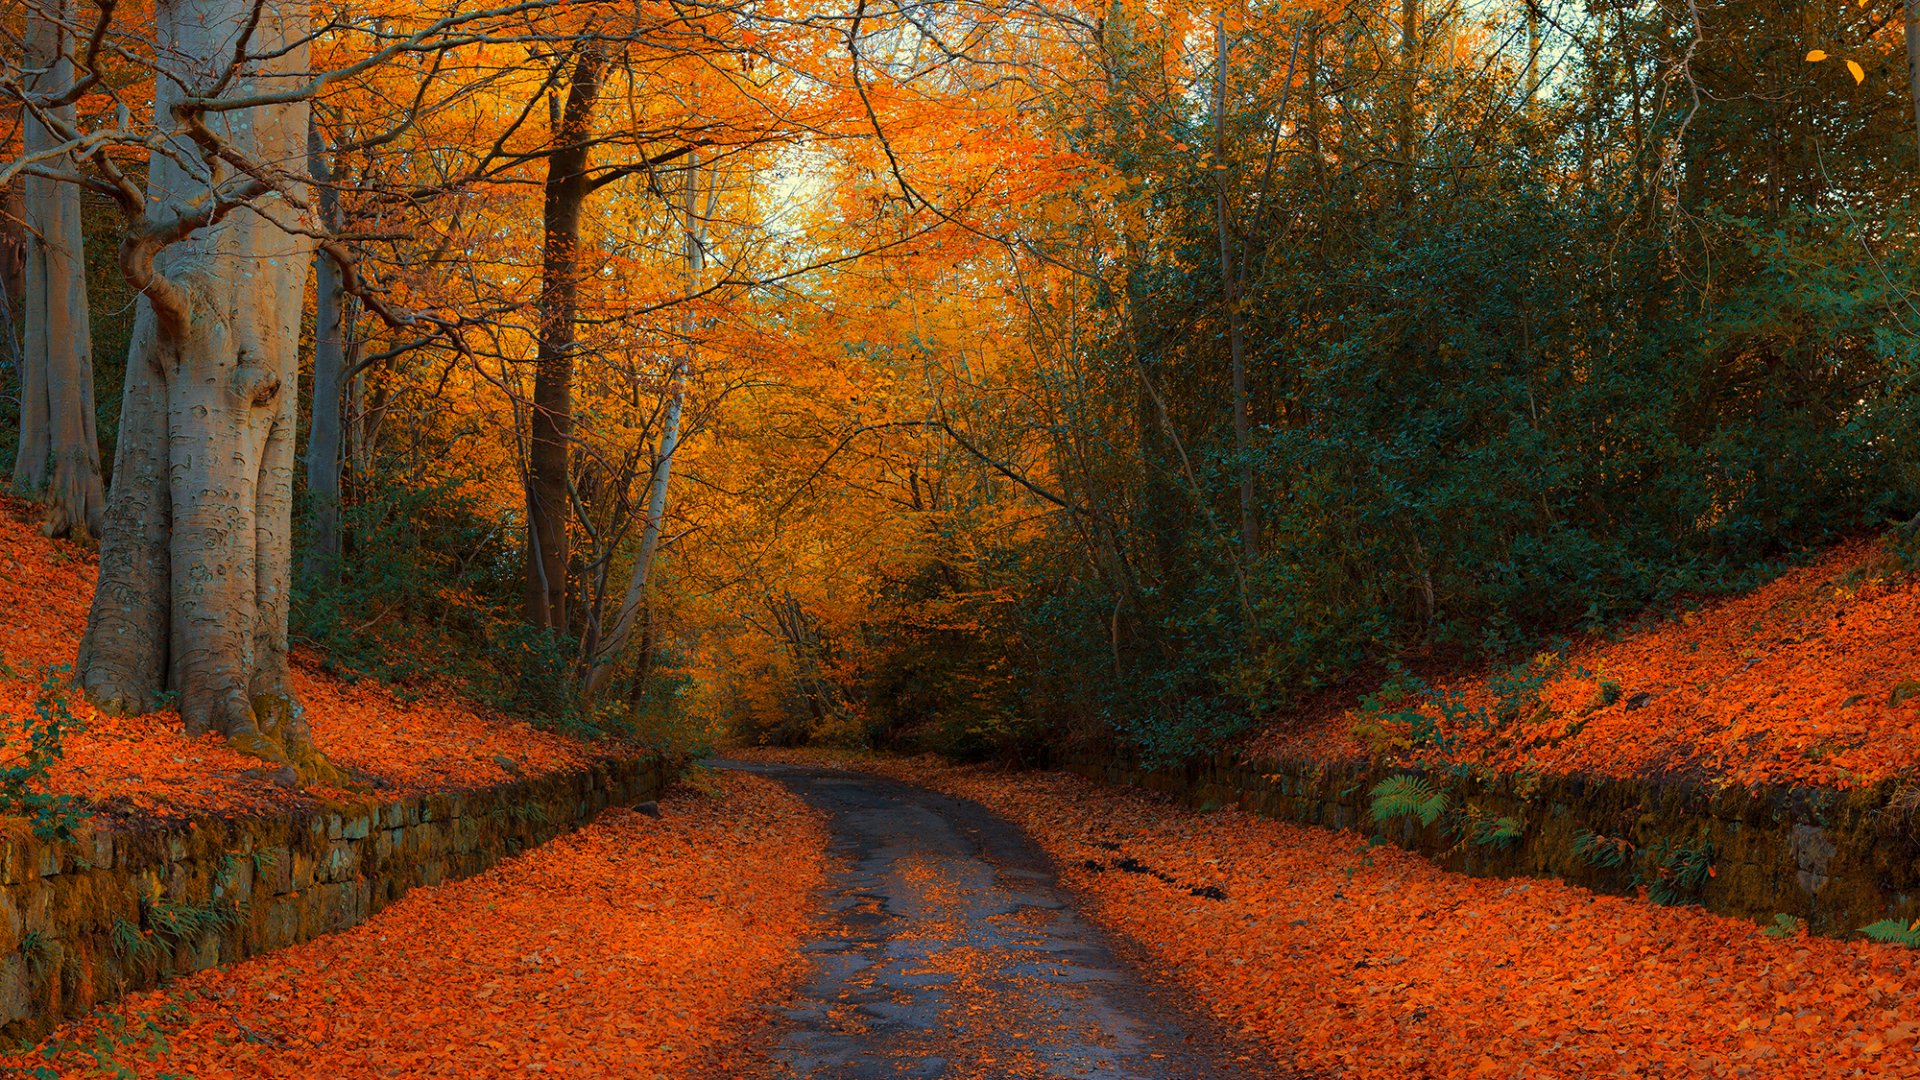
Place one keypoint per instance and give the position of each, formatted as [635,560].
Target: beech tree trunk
[548,508]
[195,556]
[59,457]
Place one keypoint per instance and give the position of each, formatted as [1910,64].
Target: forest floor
[634,948]
[1802,681]
[423,741]
[1348,961]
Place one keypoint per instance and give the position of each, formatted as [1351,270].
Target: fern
[1408,796]
[1786,926]
[129,943]
[184,922]
[531,811]
[1497,831]
[1597,850]
[1894,932]
[38,949]
[1683,872]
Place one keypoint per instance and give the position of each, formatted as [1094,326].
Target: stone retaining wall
[86,921]
[1839,860]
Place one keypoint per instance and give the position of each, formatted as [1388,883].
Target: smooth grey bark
[58,464]
[329,376]
[196,553]
[13,269]
[693,254]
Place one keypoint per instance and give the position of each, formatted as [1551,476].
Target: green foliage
[1400,713]
[429,587]
[1489,406]
[934,670]
[130,943]
[39,951]
[531,811]
[1611,852]
[1606,694]
[1365,851]
[1407,796]
[1786,926]
[1894,932]
[426,572]
[23,774]
[120,1040]
[183,922]
[1486,830]
[1681,871]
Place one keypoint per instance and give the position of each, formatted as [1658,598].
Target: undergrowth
[24,767]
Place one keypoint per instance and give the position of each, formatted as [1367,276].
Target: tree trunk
[1313,102]
[601,664]
[13,270]
[1913,61]
[1410,49]
[552,422]
[59,458]
[195,556]
[329,377]
[1236,336]
[642,664]
[1533,62]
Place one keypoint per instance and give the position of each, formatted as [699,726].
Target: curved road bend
[948,950]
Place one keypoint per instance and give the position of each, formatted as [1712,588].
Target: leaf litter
[134,766]
[635,947]
[1350,961]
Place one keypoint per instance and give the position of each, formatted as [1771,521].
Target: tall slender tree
[59,456]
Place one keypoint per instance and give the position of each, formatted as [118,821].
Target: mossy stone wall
[82,922]
[1837,859]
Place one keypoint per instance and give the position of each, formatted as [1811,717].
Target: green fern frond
[1408,796]
[1894,932]
[1785,926]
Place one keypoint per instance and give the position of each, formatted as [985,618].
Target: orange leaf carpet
[635,948]
[148,765]
[1788,684]
[1355,962]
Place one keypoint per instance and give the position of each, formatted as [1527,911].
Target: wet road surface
[948,950]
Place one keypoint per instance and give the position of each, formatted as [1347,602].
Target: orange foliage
[1788,684]
[634,948]
[1375,963]
[146,764]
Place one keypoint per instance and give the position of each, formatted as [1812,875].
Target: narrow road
[948,950]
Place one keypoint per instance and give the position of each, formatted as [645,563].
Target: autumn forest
[1484,433]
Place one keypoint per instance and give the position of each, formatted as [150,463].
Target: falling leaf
[1816,56]
[1859,73]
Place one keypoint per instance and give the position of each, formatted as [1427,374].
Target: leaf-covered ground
[148,764]
[635,948]
[1792,683]
[1357,962]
